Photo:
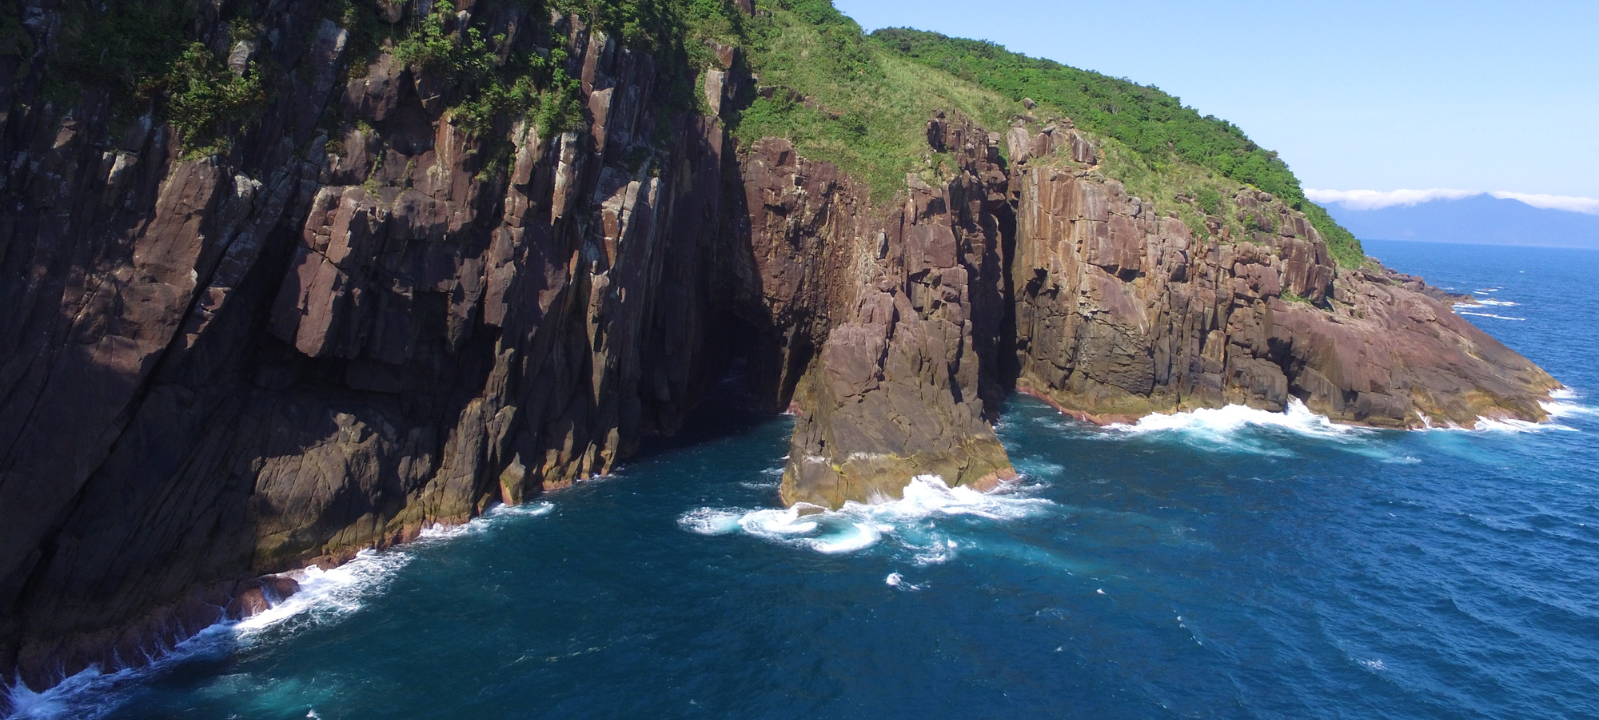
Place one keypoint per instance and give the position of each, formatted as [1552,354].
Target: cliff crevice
[371,305]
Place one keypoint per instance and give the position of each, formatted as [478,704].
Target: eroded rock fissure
[339,333]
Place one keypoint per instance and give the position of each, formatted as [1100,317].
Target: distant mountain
[1480,219]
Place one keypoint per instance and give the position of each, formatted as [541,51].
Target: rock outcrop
[1122,312]
[915,308]
[364,318]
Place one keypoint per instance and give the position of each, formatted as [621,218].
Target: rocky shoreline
[343,331]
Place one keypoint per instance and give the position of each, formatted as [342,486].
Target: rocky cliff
[1121,312]
[370,310]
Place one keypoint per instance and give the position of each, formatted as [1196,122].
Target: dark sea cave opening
[748,380]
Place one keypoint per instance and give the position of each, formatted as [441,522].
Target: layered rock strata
[336,334]
[898,388]
[1121,312]
[363,319]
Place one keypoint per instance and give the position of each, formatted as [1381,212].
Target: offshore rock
[260,595]
[1121,313]
[353,325]
[912,302]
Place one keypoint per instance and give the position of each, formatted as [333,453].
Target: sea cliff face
[335,334]
[362,317]
[1121,312]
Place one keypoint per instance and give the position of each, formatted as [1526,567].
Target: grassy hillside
[839,97]
[859,101]
[866,100]
[1156,130]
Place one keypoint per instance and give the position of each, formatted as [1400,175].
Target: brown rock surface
[1121,313]
[905,305]
[352,325]
[224,367]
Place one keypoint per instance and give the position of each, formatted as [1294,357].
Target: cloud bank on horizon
[1378,199]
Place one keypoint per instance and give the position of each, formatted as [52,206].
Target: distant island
[289,279]
[1477,219]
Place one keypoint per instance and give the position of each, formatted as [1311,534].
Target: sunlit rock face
[364,318]
[1121,312]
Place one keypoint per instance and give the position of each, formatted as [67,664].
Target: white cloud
[1377,199]
[1553,202]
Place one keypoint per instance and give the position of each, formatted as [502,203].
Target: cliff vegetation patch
[840,98]
[145,58]
[1156,129]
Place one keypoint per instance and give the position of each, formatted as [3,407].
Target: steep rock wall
[333,335]
[916,311]
[1122,312]
[354,324]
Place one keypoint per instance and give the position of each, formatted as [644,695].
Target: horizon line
[1379,199]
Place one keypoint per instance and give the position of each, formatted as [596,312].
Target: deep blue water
[1231,565]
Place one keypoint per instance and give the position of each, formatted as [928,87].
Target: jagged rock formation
[233,365]
[1121,312]
[915,314]
[334,335]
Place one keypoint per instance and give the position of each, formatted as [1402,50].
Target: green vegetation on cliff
[863,103]
[840,98]
[1158,130]
[140,55]
[859,101]
[144,55]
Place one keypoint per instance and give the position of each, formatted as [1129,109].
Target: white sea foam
[910,521]
[1509,425]
[1514,426]
[1237,428]
[325,597]
[896,580]
[1038,467]
[771,479]
[439,532]
[1222,422]
[1560,409]
[1562,404]
[1490,315]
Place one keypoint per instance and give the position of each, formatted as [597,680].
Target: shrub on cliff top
[140,53]
[1152,124]
[204,98]
[862,102]
[842,100]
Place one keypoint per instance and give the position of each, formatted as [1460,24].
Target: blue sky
[1355,95]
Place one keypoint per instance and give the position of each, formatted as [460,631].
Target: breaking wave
[1490,315]
[1562,405]
[1221,422]
[325,597]
[1509,425]
[1483,300]
[911,523]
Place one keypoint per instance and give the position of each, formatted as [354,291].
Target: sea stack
[414,259]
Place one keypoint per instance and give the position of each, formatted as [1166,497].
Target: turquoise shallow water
[1228,564]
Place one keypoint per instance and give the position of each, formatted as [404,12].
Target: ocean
[1217,564]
